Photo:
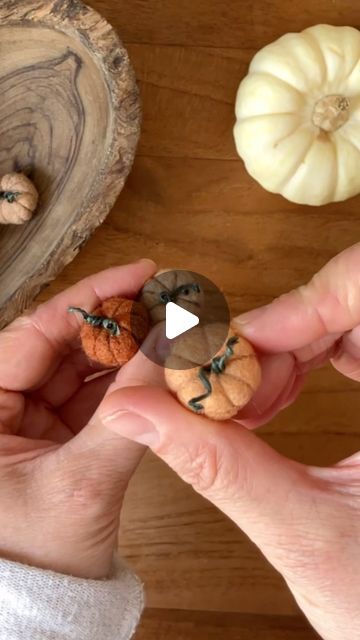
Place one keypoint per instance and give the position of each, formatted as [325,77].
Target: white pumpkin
[298,115]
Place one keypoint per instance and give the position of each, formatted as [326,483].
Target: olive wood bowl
[70,120]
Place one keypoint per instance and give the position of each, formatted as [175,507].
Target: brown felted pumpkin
[18,199]
[176,286]
[221,387]
[113,333]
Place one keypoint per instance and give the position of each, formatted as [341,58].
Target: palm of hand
[62,477]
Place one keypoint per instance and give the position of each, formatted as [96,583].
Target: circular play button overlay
[190,317]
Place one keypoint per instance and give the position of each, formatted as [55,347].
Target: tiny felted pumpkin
[18,199]
[221,387]
[298,115]
[113,333]
[178,286]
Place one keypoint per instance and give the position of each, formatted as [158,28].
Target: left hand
[62,474]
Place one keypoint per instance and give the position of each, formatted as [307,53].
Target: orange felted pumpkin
[18,199]
[221,387]
[113,333]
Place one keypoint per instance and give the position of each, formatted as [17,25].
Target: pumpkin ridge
[346,139]
[27,208]
[161,284]
[118,309]
[195,364]
[349,74]
[193,302]
[318,50]
[301,160]
[207,340]
[219,377]
[269,115]
[335,181]
[110,345]
[277,78]
[96,357]
[238,380]
[156,304]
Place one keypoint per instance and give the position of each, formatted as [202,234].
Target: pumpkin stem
[172,296]
[108,324]
[217,366]
[10,196]
[331,112]
[218,363]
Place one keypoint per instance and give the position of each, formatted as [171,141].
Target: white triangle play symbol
[178,320]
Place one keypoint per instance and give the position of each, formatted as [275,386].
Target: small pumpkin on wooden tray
[70,119]
[18,199]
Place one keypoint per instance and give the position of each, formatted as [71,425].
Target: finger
[33,346]
[328,304]
[288,397]
[110,457]
[68,378]
[225,463]
[347,358]
[12,407]
[79,409]
[278,373]
[142,370]
[28,418]
[317,353]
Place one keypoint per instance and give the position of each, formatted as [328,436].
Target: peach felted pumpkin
[18,199]
[223,386]
[171,286]
[113,333]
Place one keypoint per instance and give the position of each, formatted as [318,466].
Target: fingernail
[133,427]
[249,317]
[146,261]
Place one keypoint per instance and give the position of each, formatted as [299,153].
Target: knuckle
[204,468]
[76,488]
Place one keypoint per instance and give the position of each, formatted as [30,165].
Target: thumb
[328,304]
[100,454]
[226,463]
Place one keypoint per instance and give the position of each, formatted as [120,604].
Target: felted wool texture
[43,605]
[231,390]
[22,209]
[168,281]
[113,351]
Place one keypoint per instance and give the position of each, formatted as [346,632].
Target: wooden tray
[70,119]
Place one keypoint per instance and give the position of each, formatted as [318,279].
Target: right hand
[306,520]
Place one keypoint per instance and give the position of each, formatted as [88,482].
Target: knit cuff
[43,605]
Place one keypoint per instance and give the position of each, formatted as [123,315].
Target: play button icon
[190,317]
[178,320]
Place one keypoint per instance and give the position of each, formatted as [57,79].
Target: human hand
[306,520]
[62,475]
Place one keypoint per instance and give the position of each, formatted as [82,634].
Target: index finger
[32,346]
[329,305]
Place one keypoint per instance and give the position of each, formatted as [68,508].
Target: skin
[68,447]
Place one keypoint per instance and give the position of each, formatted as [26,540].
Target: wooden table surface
[190,204]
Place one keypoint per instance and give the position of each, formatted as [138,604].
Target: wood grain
[237,23]
[202,625]
[189,203]
[69,118]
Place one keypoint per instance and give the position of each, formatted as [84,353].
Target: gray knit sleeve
[43,605]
